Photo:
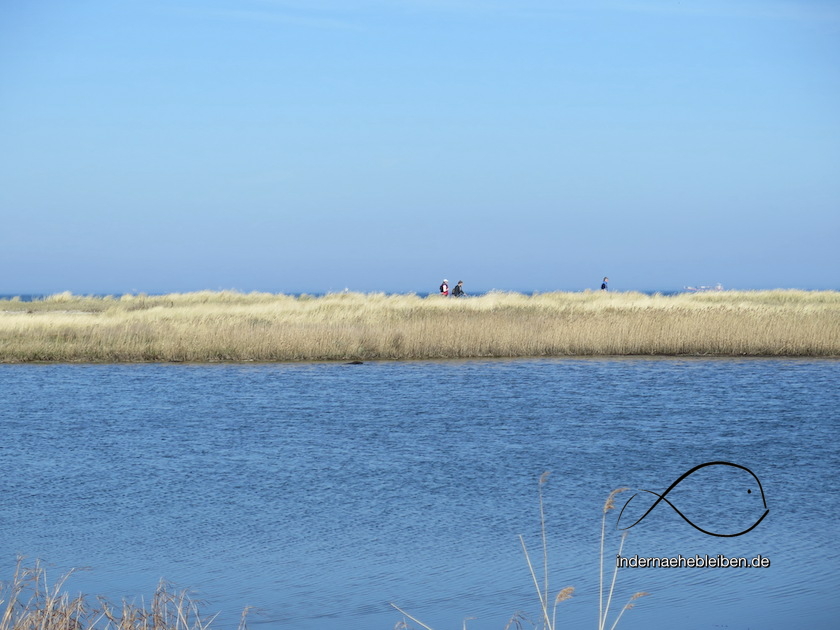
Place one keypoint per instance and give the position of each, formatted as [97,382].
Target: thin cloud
[800,10]
[766,9]
[520,8]
[317,15]
[309,21]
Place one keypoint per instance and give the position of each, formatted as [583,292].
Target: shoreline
[230,327]
[569,357]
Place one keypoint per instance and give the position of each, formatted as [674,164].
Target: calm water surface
[320,493]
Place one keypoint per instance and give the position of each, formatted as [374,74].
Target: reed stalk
[612,584]
[604,609]
[628,606]
[549,623]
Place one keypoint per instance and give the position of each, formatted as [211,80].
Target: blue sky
[383,145]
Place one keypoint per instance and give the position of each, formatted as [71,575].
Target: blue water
[319,493]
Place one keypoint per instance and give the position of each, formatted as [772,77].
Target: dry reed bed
[230,326]
[30,602]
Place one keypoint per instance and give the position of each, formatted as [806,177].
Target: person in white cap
[444,288]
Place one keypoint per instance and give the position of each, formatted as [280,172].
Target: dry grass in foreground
[29,602]
[231,326]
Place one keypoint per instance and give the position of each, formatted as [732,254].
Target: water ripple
[320,494]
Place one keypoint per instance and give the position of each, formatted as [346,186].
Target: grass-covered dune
[231,326]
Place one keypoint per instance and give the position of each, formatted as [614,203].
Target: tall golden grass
[230,326]
[30,602]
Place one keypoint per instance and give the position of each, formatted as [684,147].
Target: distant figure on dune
[458,291]
[604,284]
[444,287]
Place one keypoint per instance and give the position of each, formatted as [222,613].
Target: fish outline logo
[662,498]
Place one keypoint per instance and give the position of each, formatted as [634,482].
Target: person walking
[458,291]
[604,284]
[444,287]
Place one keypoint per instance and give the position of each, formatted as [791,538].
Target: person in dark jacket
[458,291]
